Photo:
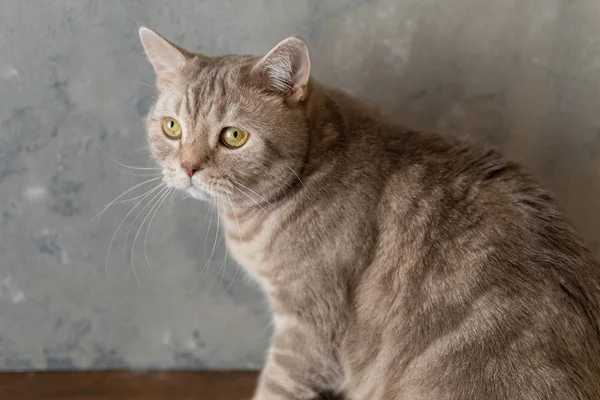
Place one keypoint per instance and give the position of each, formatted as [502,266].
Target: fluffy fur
[399,264]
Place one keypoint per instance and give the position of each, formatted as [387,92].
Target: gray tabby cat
[399,264]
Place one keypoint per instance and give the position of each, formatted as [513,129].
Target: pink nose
[191,167]
[190,171]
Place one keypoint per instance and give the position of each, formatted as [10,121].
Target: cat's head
[231,127]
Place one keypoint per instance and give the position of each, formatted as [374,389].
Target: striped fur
[399,264]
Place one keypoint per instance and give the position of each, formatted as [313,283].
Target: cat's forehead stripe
[179,105]
[209,94]
[189,98]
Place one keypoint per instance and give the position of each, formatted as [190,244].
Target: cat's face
[226,127]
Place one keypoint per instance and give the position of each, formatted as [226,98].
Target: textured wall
[523,74]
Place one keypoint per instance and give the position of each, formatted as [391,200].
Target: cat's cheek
[161,152]
[169,178]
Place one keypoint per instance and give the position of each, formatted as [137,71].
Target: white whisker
[265,211]
[235,215]
[259,196]
[131,173]
[172,199]
[221,271]
[145,84]
[125,165]
[133,167]
[237,266]
[212,215]
[146,236]
[136,218]
[99,215]
[132,198]
[138,149]
[155,206]
[237,270]
[212,252]
[294,172]
[117,231]
[254,201]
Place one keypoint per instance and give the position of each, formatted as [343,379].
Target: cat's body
[399,264]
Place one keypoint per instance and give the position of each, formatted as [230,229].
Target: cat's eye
[171,128]
[234,137]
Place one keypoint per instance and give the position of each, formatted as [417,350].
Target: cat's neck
[264,237]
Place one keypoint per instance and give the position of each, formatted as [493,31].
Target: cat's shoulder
[454,159]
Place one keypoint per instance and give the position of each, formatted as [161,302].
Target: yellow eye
[171,128]
[234,137]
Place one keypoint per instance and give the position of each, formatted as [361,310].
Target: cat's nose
[190,171]
[190,168]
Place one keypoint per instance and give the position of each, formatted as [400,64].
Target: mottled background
[522,74]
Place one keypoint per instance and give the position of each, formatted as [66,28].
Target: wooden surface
[127,385]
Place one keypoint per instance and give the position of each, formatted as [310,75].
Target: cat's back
[482,278]
[467,199]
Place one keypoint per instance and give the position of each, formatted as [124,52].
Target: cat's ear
[287,69]
[167,58]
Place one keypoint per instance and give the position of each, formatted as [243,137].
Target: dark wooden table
[127,385]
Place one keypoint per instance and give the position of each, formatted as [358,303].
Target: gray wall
[522,74]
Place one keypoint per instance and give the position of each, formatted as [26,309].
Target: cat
[399,264]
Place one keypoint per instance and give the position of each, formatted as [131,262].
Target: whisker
[235,215]
[212,252]
[212,215]
[139,149]
[136,218]
[117,231]
[145,84]
[221,271]
[155,206]
[222,268]
[265,211]
[259,196]
[237,265]
[125,165]
[133,167]
[208,209]
[237,270]
[146,235]
[254,201]
[131,173]
[132,198]
[294,172]
[172,199]
[99,215]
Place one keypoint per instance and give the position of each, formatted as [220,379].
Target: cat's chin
[197,193]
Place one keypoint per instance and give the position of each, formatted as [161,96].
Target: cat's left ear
[167,58]
[287,69]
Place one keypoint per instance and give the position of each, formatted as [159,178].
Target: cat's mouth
[196,192]
[203,190]
[196,186]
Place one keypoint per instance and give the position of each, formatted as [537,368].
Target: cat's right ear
[167,58]
[286,69]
